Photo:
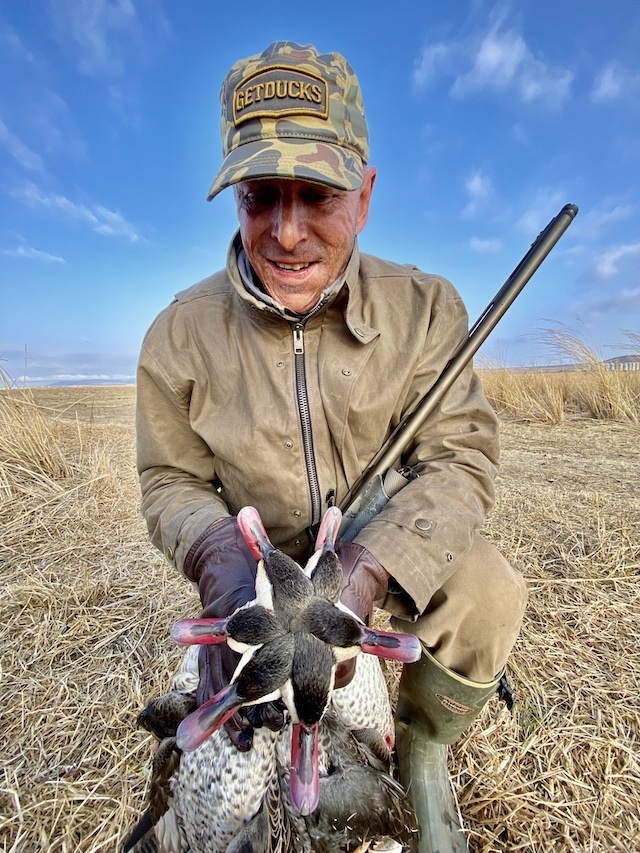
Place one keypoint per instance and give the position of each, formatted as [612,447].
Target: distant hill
[93,382]
[623,359]
[618,361]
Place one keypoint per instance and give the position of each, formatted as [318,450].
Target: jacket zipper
[304,412]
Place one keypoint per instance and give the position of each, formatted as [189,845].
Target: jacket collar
[355,314]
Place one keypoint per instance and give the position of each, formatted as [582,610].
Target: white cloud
[427,66]
[479,187]
[110,40]
[32,254]
[607,85]
[98,29]
[485,247]
[99,218]
[113,224]
[614,82]
[609,263]
[497,61]
[503,63]
[27,158]
[107,35]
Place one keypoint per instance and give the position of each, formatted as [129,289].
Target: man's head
[295,143]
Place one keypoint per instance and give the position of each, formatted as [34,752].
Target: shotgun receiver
[369,493]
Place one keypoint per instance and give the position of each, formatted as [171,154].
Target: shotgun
[371,492]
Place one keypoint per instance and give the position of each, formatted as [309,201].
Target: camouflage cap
[291,112]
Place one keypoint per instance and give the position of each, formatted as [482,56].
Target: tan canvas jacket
[221,385]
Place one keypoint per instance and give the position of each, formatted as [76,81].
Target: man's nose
[289,224]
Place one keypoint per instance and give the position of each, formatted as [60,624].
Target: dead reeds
[87,605]
[581,385]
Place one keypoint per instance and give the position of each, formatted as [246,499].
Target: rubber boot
[435,705]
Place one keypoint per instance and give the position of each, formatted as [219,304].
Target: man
[275,381]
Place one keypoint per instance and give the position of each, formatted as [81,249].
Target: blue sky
[485,119]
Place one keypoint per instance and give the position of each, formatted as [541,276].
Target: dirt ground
[87,605]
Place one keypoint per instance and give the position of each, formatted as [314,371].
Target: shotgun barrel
[397,442]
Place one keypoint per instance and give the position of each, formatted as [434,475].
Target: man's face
[298,235]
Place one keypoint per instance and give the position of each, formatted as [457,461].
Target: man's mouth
[291,267]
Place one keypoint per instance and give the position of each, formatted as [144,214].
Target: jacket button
[170,554]
[423,524]
[346,371]
[288,444]
[297,513]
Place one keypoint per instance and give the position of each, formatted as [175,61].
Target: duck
[322,783]
[361,806]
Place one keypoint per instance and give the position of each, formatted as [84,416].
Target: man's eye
[318,194]
[264,198]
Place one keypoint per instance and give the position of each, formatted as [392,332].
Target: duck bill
[197,727]
[385,644]
[329,528]
[255,535]
[189,632]
[304,782]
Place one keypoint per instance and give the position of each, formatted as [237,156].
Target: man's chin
[297,290]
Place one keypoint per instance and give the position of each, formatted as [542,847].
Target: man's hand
[224,568]
[364,582]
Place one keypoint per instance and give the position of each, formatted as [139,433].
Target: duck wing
[159,830]
[271,830]
[358,803]
[358,799]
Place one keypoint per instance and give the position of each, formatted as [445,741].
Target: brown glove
[364,581]
[222,565]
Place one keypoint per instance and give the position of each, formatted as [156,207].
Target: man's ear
[366,191]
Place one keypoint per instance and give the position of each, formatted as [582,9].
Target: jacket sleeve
[176,468]
[426,529]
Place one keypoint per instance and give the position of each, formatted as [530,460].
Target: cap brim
[306,160]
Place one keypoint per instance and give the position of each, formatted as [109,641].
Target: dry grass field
[87,605]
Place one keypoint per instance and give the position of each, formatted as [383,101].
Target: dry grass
[553,398]
[87,604]
[587,389]
[85,610]
[563,772]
